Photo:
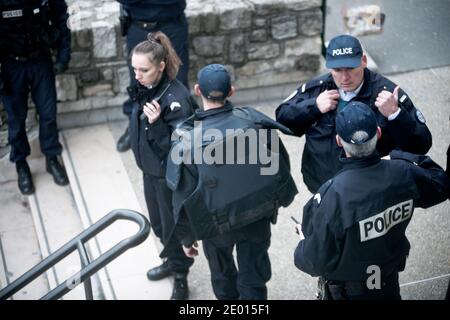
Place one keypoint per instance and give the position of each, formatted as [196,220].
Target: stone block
[104,89]
[89,76]
[79,59]
[308,62]
[259,22]
[240,18]
[284,27]
[236,49]
[83,38]
[209,46]
[309,45]
[105,45]
[194,24]
[107,74]
[259,35]
[123,76]
[209,22]
[267,51]
[253,68]
[310,22]
[66,87]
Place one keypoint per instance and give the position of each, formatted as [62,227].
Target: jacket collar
[201,114]
[156,90]
[355,163]
[366,89]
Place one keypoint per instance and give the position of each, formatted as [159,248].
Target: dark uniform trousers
[177,31]
[158,198]
[252,243]
[35,76]
[349,290]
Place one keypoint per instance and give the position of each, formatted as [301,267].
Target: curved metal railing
[87,268]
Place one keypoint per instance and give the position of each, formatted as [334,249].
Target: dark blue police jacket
[359,218]
[320,159]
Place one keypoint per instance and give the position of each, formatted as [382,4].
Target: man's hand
[387,103]
[192,251]
[327,100]
[152,110]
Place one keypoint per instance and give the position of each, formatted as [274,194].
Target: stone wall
[267,45]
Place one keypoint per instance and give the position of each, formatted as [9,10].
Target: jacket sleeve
[408,131]
[59,17]
[432,182]
[319,252]
[299,112]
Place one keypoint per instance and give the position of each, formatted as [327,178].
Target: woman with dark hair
[160,103]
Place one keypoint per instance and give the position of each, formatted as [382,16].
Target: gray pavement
[415,34]
[428,268]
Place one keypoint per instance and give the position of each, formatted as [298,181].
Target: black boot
[180,287]
[25,182]
[124,142]
[57,171]
[159,272]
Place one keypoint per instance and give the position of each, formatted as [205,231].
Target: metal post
[84,258]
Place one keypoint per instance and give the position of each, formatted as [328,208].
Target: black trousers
[20,79]
[248,280]
[159,204]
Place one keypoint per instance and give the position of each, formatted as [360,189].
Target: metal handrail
[87,268]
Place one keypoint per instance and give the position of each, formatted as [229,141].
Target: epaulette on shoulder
[312,84]
[321,192]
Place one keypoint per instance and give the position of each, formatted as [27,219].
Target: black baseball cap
[356,116]
[214,82]
[344,52]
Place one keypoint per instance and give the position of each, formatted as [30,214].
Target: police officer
[161,101]
[355,225]
[227,205]
[312,109]
[138,18]
[28,31]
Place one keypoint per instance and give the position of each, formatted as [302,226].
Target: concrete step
[56,221]
[99,183]
[19,246]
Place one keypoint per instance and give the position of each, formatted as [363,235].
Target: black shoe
[180,287]
[159,272]
[124,142]
[57,171]
[25,182]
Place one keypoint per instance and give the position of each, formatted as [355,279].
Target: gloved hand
[59,67]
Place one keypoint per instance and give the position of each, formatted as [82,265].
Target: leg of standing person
[15,100]
[254,269]
[158,198]
[178,262]
[222,267]
[43,93]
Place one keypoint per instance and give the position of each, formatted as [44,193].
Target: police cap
[344,52]
[356,123]
[214,82]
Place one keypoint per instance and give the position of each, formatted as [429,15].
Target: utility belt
[145,24]
[30,56]
[126,21]
[341,290]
